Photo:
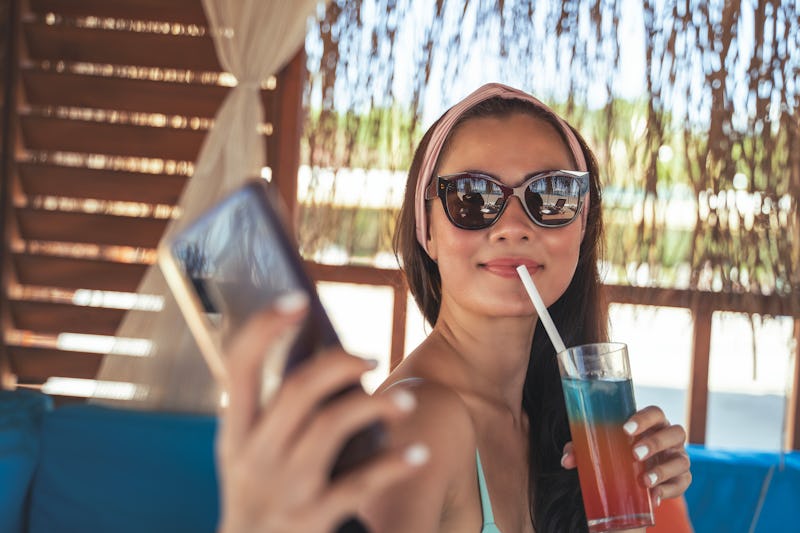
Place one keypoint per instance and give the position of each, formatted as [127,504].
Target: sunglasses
[471,200]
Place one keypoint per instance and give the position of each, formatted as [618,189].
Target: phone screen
[235,260]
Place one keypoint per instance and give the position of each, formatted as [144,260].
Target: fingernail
[416,454]
[658,501]
[630,427]
[641,452]
[372,364]
[290,302]
[404,400]
[563,459]
[652,477]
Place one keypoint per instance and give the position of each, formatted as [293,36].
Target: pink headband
[442,130]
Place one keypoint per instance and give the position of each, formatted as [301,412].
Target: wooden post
[7,148]
[697,408]
[283,146]
[793,405]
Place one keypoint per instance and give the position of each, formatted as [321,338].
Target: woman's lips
[507,267]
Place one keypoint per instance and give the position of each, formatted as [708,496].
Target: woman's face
[477,267]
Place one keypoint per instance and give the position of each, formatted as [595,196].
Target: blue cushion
[20,416]
[104,469]
[727,485]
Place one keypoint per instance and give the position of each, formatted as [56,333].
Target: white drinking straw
[544,316]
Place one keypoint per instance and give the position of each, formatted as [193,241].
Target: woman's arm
[432,499]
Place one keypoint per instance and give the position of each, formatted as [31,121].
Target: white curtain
[254,39]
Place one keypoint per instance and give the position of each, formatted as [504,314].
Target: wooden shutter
[110,103]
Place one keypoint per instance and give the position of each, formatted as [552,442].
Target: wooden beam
[62,42]
[62,226]
[697,405]
[43,179]
[77,273]
[93,137]
[283,146]
[55,318]
[773,304]
[793,402]
[356,274]
[7,148]
[48,87]
[38,364]
[181,11]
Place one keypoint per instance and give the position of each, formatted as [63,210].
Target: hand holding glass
[598,392]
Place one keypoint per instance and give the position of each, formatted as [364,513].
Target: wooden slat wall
[93,121]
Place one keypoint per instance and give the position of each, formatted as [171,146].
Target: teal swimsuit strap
[486,504]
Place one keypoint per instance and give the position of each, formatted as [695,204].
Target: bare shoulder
[441,414]
[442,421]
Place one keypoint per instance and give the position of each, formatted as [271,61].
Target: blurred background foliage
[692,107]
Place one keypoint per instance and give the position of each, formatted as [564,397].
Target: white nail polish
[416,454]
[652,477]
[291,302]
[630,427]
[640,452]
[563,459]
[404,400]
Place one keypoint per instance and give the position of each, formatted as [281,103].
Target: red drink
[614,493]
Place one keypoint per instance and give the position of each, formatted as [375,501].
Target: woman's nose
[514,223]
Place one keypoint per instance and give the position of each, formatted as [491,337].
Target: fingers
[244,362]
[300,396]
[648,418]
[655,442]
[347,493]
[331,428]
[660,446]
[670,476]
[568,460]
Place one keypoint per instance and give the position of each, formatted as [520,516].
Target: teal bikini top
[486,504]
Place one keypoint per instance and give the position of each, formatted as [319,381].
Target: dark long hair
[579,314]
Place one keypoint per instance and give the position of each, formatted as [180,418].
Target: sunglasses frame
[441,183]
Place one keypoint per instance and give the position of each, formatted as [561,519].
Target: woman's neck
[493,353]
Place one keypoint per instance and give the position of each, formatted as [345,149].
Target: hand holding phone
[234,261]
[273,461]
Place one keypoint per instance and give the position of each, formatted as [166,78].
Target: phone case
[232,261]
[235,259]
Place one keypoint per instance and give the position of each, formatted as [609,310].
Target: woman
[488,398]
[486,378]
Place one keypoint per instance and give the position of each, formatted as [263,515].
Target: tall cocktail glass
[598,391]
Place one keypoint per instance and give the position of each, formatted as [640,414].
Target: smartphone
[235,259]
